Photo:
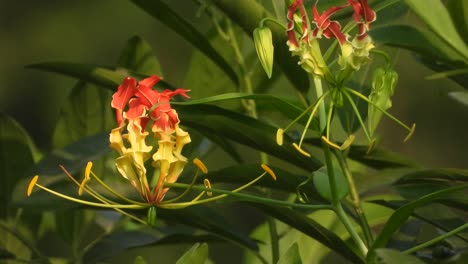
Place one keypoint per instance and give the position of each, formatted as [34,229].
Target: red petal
[124,93]
[150,81]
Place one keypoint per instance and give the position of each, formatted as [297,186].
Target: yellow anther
[347,143]
[88,170]
[86,177]
[208,186]
[31,185]
[413,128]
[200,165]
[269,171]
[279,136]
[331,144]
[303,152]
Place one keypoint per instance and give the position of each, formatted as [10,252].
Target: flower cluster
[354,53]
[140,108]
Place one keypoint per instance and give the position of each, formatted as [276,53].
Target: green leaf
[286,108]
[197,254]
[438,19]
[209,220]
[291,256]
[74,156]
[247,14]
[308,226]
[378,158]
[459,12]
[86,72]
[402,214]
[461,97]
[444,220]
[159,10]
[391,256]
[285,181]
[244,130]
[117,242]
[138,56]
[322,183]
[140,260]
[421,41]
[86,112]
[70,224]
[16,158]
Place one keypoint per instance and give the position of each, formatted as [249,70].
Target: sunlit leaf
[291,256]
[197,254]
[438,19]
[459,12]
[159,10]
[301,222]
[461,97]
[418,40]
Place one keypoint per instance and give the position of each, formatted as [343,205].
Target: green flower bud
[383,86]
[264,46]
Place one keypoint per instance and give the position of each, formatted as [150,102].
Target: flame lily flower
[146,105]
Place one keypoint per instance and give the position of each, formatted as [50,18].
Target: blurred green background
[94,32]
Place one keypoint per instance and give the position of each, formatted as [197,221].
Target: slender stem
[112,206]
[436,240]
[336,204]
[349,226]
[274,239]
[355,199]
[253,198]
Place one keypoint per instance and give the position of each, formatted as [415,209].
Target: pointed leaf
[209,220]
[159,10]
[292,256]
[197,254]
[308,226]
[379,158]
[459,12]
[244,130]
[86,72]
[74,156]
[138,56]
[438,19]
[415,39]
[461,97]
[392,256]
[402,214]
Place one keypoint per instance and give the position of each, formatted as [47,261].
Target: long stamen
[363,97]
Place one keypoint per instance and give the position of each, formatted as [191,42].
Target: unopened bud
[264,46]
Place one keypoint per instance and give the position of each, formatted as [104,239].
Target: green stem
[355,199]
[349,226]
[336,204]
[274,239]
[252,198]
[436,240]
